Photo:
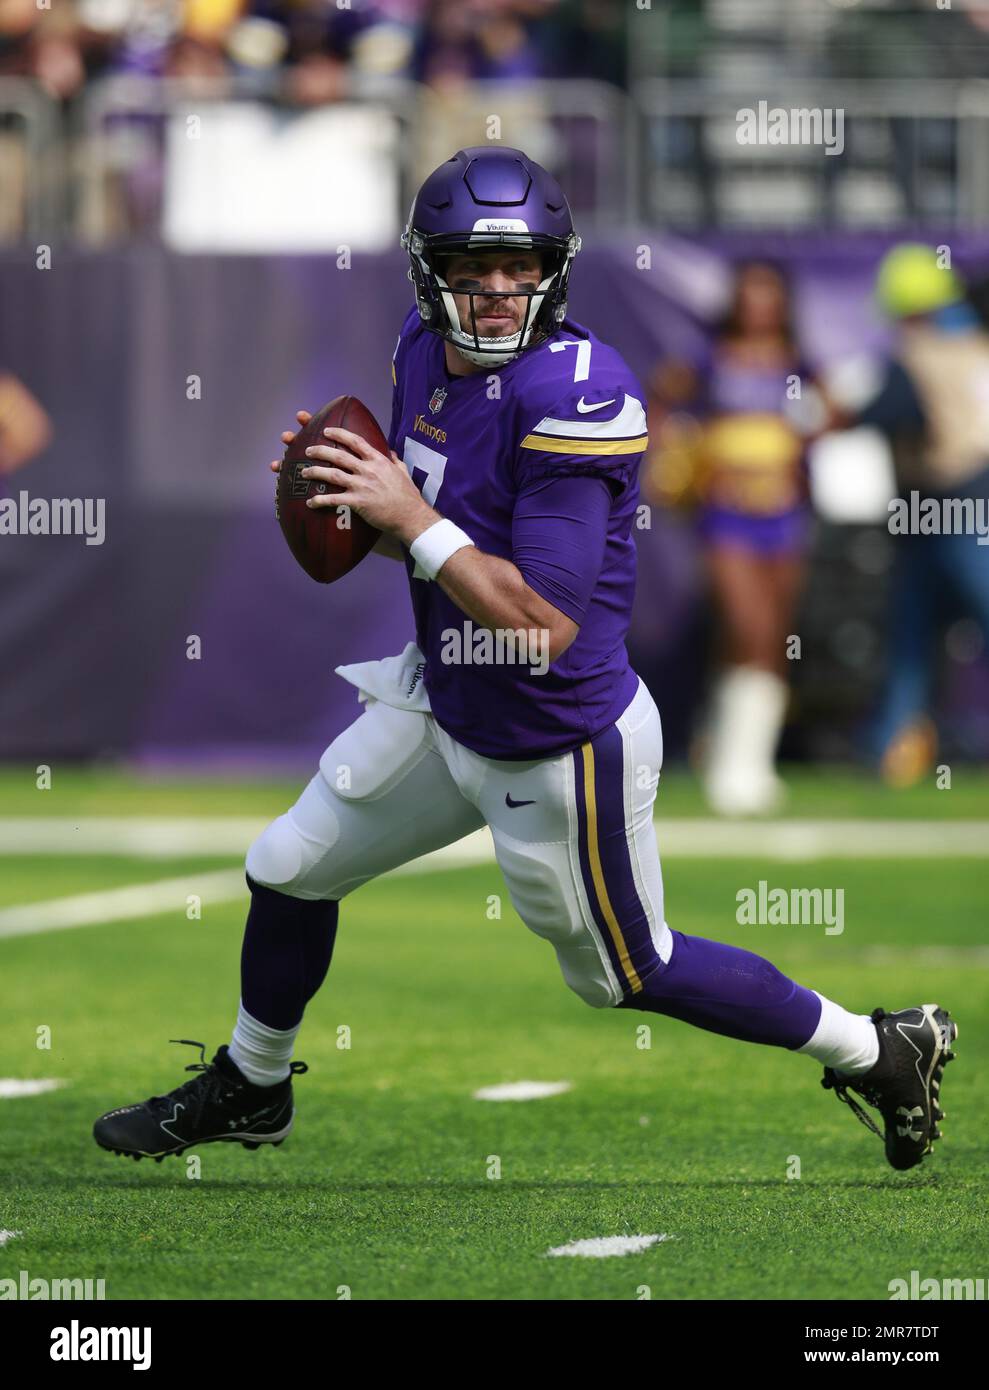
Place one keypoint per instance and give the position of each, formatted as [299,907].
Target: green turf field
[383,1189]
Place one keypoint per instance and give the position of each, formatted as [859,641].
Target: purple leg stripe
[723,989]
[629,916]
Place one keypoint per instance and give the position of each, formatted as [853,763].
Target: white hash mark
[523,1090]
[602,1247]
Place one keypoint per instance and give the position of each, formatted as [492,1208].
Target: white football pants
[573,834]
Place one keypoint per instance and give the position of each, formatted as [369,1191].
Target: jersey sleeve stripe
[548,445]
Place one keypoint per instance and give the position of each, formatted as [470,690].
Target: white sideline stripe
[142,837]
[523,1090]
[602,1247]
[175,837]
[793,840]
[9,1235]
[11,1087]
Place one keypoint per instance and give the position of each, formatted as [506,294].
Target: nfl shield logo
[436,400]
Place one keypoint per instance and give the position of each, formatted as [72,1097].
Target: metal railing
[926,144]
[664,154]
[578,127]
[33,174]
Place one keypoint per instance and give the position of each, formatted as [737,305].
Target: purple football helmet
[485,197]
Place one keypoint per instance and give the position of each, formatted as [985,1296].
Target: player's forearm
[493,592]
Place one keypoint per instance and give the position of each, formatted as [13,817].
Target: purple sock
[288,944]
[730,991]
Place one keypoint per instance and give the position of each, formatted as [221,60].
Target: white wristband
[436,544]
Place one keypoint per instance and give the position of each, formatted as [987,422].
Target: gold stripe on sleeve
[553,445]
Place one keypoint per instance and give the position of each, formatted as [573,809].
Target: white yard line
[170,895]
[176,837]
[166,895]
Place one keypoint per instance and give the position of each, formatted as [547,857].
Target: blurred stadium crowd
[318,43]
[321,43]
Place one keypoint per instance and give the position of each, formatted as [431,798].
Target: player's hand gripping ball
[327,541]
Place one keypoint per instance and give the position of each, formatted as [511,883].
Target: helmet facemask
[491,351]
[545,306]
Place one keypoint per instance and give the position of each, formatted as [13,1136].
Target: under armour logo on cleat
[907,1131]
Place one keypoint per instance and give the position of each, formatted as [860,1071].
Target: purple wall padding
[93,638]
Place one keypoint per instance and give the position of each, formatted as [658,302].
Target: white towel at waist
[395,680]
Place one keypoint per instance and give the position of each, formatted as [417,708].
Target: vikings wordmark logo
[421,425]
[436,400]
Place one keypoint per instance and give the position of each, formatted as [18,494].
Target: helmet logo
[500,224]
[436,400]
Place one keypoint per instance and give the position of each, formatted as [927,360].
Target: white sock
[262,1053]
[847,1042]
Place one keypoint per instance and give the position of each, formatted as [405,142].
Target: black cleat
[219,1105]
[905,1084]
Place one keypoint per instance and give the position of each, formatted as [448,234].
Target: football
[327,542]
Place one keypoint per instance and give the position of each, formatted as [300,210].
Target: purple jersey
[489,452]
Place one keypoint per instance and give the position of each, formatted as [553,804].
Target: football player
[510,490]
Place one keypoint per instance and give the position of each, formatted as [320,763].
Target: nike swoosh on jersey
[630,420]
[583,409]
[625,433]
